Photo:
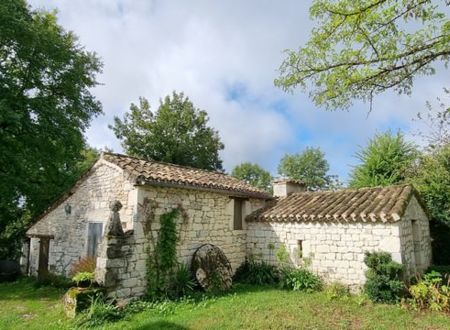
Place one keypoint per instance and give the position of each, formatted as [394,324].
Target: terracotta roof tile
[348,205]
[152,172]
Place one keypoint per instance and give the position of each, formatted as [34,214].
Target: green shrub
[337,290]
[383,282]
[182,282]
[430,293]
[444,270]
[99,313]
[300,279]
[84,278]
[282,255]
[257,272]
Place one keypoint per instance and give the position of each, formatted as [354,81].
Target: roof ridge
[165,163]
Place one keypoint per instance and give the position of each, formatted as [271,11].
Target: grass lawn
[22,306]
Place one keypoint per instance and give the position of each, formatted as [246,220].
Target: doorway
[44,249]
[94,238]
[416,244]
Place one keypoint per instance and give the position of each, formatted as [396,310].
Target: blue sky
[224,56]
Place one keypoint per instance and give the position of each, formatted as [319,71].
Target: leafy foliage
[337,290]
[182,282]
[430,293]
[257,272]
[166,277]
[359,49]
[383,282]
[310,166]
[386,160]
[300,279]
[444,270]
[282,255]
[254,175]
[99,313]
[432,179]
[166,248]
[177,133]
[84,278]
[163,256]
[46,105]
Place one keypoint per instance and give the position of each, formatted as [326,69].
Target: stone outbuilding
[331,231]
[78,224]
[103,216]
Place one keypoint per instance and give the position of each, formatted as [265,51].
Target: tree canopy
[359,49]
[385,160]
[176,133]
[45,106]
[253,174]
[431,178]
[309,166]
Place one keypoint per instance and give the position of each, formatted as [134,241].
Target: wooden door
[44,244]
[94,238]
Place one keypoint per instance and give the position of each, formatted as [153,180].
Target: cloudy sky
[224,55]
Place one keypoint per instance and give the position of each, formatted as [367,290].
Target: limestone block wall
[335,251]
[89,203]
[121,266]
[415,239]
[209,220]
[122,262]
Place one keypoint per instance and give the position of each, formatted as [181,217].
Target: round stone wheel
[212,268]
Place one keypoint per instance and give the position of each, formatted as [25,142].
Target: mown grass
[22,306]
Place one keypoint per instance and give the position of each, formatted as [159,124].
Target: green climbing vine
[166,277]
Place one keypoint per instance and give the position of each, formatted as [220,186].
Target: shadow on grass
[161,325]
[25,288]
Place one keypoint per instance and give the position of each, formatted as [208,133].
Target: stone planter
[78,299]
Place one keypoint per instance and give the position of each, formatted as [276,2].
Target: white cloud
[150,48]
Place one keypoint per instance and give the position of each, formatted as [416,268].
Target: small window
[300,249]
[237,214]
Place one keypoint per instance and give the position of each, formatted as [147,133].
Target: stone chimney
[285,187]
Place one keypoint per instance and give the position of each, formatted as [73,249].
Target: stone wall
[121,265]
[89,203]
[415,238]
[209,220]
[335,251]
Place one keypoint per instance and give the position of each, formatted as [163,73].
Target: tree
[254,175]
[45,106]
[386,160]
[432,179]
[310,166]
[362,48]
[177,133]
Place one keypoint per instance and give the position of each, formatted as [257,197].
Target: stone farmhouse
[329,232]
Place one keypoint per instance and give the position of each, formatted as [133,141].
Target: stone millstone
[212,268]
